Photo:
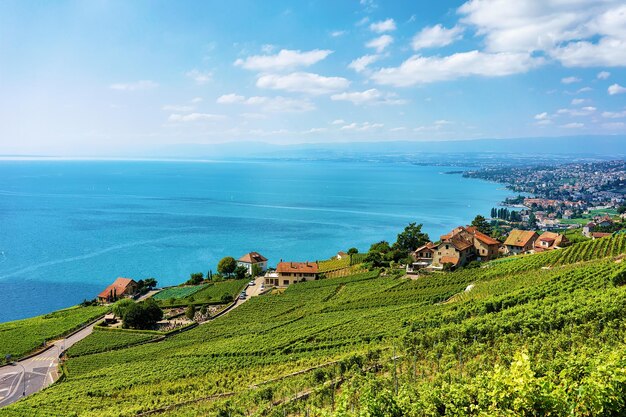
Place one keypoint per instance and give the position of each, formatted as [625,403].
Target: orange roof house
[120,288]
[288,273]
[550,241]
[520,241]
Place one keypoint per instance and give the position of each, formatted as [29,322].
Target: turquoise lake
[69,228]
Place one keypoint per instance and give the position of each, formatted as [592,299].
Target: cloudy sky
[96,77]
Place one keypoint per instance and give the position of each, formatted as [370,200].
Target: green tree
[121,307]
[353,251]
[227,265]
[190,312]
[382,247]
[195,278]
[482,225]
[411,238]
[375,258]
[142,315]
[150,283]
[241,272]
[621,209]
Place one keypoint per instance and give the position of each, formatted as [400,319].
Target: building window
[285,282]
[447,247]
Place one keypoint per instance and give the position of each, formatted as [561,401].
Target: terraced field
[536,335]
[18,338]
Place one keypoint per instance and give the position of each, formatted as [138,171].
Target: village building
[457,248]
[121,288]
[588,228]
[599,235]
[550,241]
[342,255]
[253,258]
[520,241]
[288,273]
[422,258]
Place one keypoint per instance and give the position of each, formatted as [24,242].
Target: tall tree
[227,265]
[411,238]
[482,225]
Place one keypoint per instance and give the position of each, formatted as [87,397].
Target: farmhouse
[459,247]
[550,241]
[288,273]
[121,287]
[253,258]
[422,258]
[520,241]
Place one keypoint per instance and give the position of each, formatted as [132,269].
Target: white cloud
[285,59]
[361,127]
[443,122]
[616,89]
[583,111]
[177,108]
[614,115]
[199,77]
[338,122]
[576,32]
[337,33]
[371,96]
[614,125]
[607,52]
[230,99]
[572,125]
[397,129]
[303,82]
[420,69]
[361,63]
[195,117]
[196,100]
[603,75]
[436,36]
[570,80]
[134,86]
[380,43]
[383,26]
[578,101]
[542,116]
[584,90]
[267,48]
[314,130]
[269,104]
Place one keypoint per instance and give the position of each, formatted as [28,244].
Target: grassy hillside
[536,335]
[23,336]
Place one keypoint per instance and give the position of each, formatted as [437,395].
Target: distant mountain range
[522,149]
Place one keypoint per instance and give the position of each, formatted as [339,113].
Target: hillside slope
[536,335]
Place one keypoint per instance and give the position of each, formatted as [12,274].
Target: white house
[253,258]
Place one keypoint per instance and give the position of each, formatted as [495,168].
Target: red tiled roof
[252,258]
[482,237]
[598,235]
[429,246]
[298,267]
[118,287]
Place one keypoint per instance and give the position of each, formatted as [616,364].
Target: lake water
[69,228]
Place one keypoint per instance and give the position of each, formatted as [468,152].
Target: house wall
[248,266]
[447,249]
[484,251]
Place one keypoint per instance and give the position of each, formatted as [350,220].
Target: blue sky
[96,77]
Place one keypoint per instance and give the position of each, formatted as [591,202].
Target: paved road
[41,370]
[37,373]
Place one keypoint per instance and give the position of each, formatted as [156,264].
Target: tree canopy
[411,238]
[227,265]
[482,225]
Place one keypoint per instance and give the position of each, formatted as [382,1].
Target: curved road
[38,371]
[41,370]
